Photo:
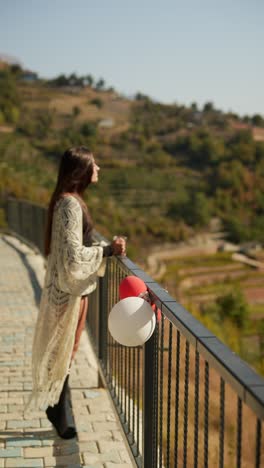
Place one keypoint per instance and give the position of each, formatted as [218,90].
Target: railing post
[102,348]
[150,403]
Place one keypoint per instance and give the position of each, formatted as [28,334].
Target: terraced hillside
[198,275]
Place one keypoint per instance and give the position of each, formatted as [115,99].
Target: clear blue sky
[174,51]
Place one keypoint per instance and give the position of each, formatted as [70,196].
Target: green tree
[238,231]
[88,80]
[242,147]
[208,107]
[259,151]
[76,111]
[230,306]
[37,124]
[10,102]
[257,120]
[72,80]
[88,129]
[61,80]
[199,209]
[234,306]
[176,208]
[194,107]
[100,84]
[97,102]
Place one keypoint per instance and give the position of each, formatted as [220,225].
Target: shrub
[97,102]
[9,97]
[230,306]
[88,129]
[76,111]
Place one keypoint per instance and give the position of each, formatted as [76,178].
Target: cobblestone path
[31,441]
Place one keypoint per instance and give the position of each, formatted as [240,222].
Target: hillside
[183,165]
[166,169]
[221,288]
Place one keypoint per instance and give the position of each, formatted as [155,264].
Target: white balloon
[131,321]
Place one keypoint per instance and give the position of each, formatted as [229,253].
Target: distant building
[197,116]
[9,60]
[29,76]
[250,248]
[227,247]
[70,89]
[4,65]
[106,123]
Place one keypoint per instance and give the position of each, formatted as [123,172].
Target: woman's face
[96,170]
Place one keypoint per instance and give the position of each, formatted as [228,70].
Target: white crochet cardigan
[71,273]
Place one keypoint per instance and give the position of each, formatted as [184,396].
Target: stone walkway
[31,441]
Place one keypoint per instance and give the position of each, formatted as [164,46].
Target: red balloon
[131,286]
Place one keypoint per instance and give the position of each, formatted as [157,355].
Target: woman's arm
[76,263]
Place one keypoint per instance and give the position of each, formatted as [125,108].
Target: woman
[72,264]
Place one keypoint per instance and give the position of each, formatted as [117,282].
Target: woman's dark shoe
[60,415]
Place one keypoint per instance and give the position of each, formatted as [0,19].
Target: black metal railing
[26,220]
[184,398]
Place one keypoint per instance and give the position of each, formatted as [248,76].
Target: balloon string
[145,295]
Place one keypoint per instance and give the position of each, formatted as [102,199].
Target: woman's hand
[119,245]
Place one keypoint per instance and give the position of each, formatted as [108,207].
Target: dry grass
[61,103]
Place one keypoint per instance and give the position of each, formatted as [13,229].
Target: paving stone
[81,402]
[89,446]
[21,442]
[83,426]
[124,455]
[104,426]
[47,442]
[116,435]
[67,449]
[102,406]
[94,465]
[103,435]
[91,394]
[62,460]
[22,463]
[10,400]
[37,452]
[117,465]
[15,408]
[112,456]
[8,416]
[77,394]
[10,452]
[14,424]
[45,423]
[80,411]
[75,466]
[35,415]
[106,446]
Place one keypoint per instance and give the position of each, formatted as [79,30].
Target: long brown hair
[74,175]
